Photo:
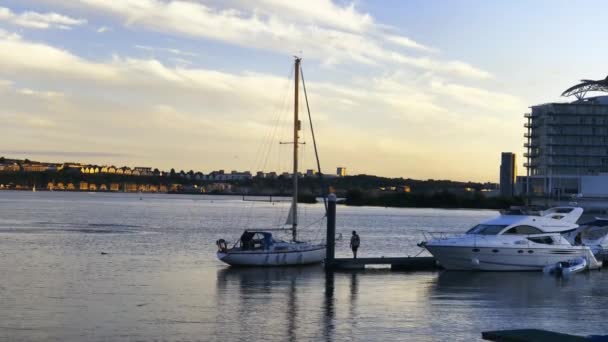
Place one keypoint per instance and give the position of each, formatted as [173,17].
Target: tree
[172,173]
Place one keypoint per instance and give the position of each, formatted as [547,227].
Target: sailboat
[259,247]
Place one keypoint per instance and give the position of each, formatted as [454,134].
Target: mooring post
[331,231]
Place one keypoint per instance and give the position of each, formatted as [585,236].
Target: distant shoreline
[487,204]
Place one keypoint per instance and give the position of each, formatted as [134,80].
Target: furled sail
[289,220]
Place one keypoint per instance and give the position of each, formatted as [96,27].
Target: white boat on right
[566,268]
[521,242]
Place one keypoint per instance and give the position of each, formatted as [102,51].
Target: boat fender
[221,245]
[475,262]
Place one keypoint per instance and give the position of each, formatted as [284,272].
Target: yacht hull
[304,255]
[503,258]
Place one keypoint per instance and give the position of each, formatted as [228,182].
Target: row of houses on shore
[219,175]
[124,187]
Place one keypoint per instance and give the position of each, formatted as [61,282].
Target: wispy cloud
[103,29]
[323,30]
[169,50]
[409,43]
[36,20]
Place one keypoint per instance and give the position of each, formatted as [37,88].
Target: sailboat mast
[296,129]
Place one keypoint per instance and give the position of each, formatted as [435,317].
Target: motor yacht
[516,241]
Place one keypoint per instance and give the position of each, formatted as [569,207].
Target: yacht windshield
[486,229]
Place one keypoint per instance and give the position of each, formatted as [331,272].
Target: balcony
[556,142]
[531,155]
[530,135]
[577,154]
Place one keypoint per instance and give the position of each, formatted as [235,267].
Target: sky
[413,89]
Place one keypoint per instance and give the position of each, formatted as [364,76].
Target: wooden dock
[396,264]
[332,263]
[534,335]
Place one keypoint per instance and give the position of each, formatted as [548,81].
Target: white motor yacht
[515,242]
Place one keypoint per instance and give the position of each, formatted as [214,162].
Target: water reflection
[513,288]
[505,300]
[268,302]
[328,307]
[285,303]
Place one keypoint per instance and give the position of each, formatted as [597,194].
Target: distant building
[143,171]
[12,167]
[310,173]
[508,172]
[567,146]
[84,186]
[35,167]
[341,171]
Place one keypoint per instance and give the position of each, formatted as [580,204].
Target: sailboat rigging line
[312,132]
[264,151]
[315,222]
[275,126]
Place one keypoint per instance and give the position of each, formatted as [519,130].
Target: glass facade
[567,139]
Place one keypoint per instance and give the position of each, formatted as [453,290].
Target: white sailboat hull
[298,254]
[502,258]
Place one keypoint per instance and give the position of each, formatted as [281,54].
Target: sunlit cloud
[169,50]
[409,43]
[36,20]
[390,119]
[335,35]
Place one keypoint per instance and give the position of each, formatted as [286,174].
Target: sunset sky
[419,89]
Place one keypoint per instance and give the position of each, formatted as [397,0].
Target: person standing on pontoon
[354,243]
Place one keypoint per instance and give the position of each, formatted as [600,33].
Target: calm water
[160,280]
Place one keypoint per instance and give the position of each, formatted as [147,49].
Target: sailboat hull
[299,255]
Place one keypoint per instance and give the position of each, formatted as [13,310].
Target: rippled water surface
[111,267]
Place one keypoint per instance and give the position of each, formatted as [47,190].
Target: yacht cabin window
[487,229]
[523,230]
[547,240]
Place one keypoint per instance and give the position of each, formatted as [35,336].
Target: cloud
[103,29]
[71,154]
[43,94]
[409,43]
[170,50]
[320,12]
[37,20]
[18,54]
[477,97]
[148,108]
[321,30]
